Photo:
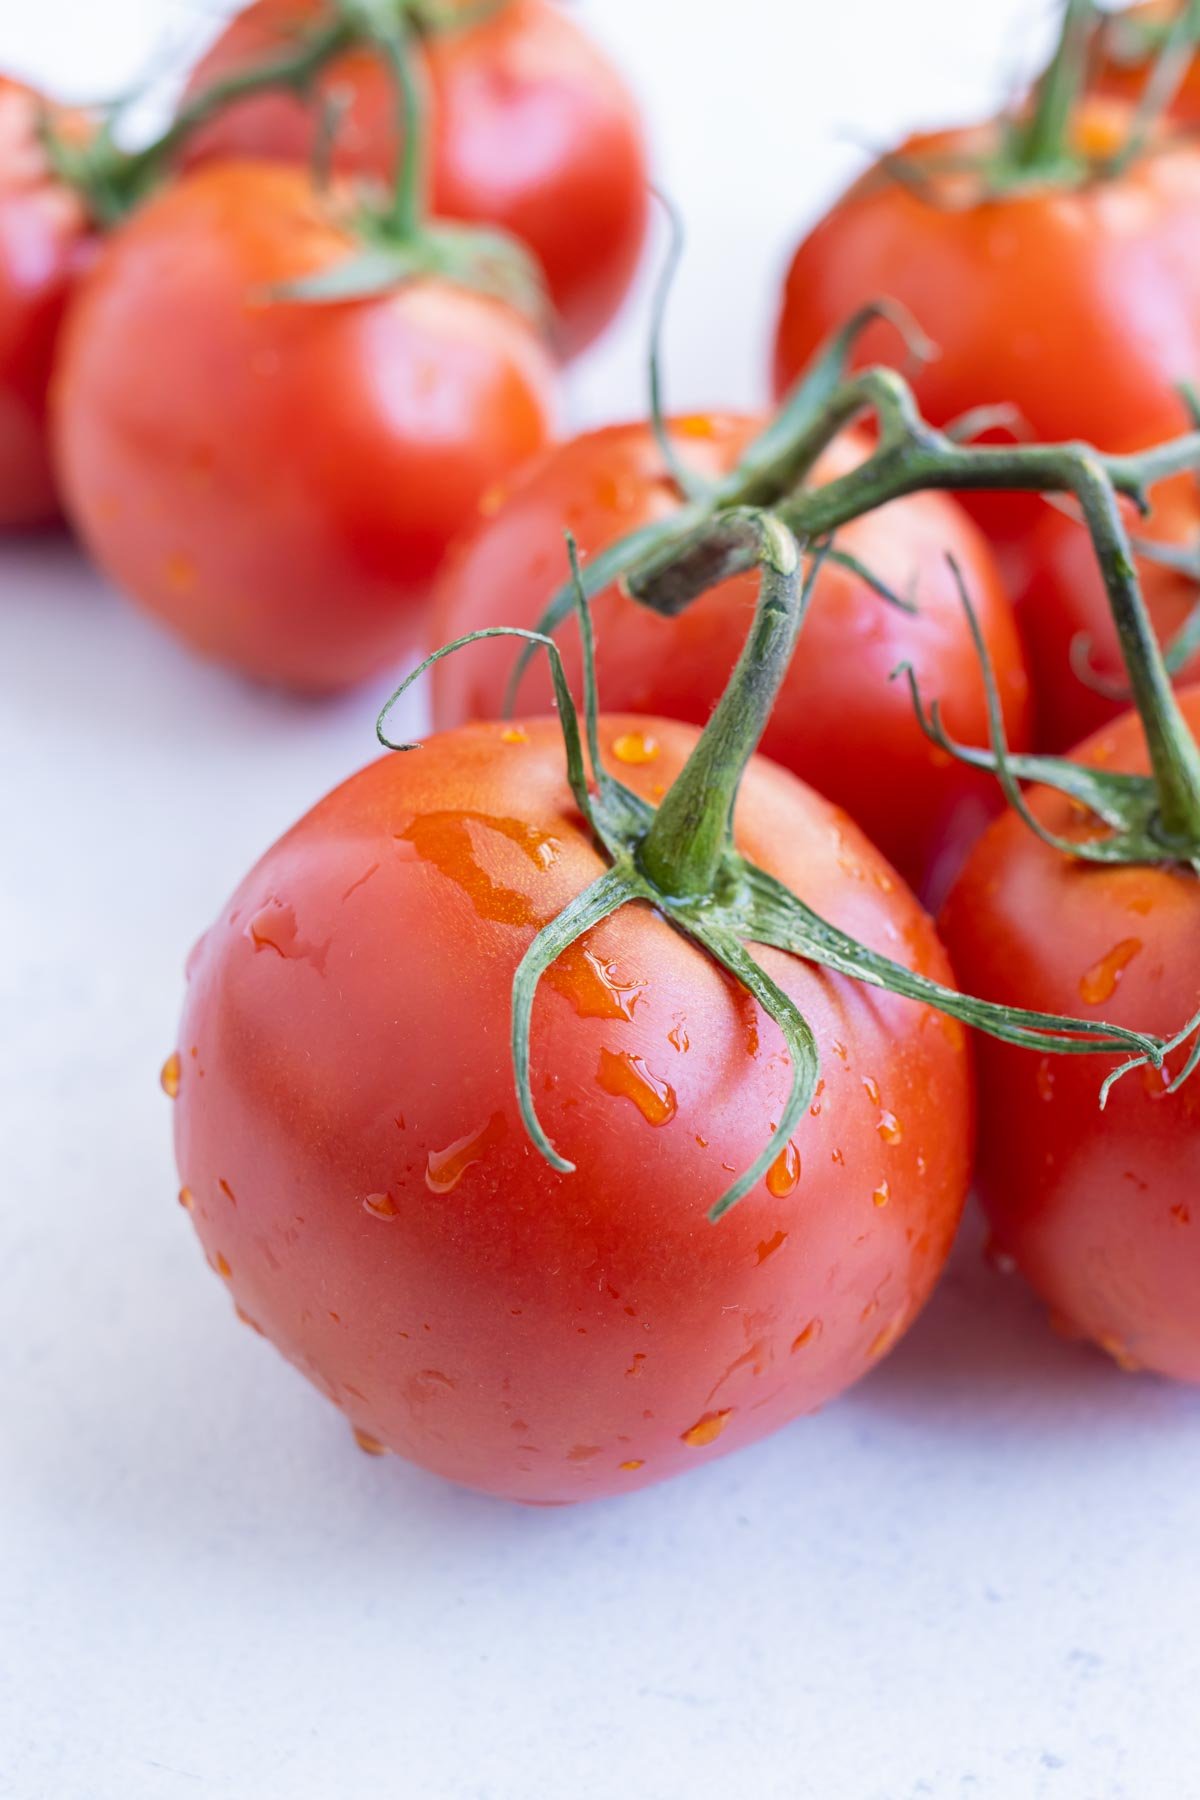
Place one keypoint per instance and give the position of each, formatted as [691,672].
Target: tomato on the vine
[44,242]
[532,129]
[359,1174]
[274,477]
[839,722]
[1077,304]
[1098,1210]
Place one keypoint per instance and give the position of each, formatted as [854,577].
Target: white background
[975,1576]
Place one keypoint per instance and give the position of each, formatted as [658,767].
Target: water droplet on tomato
[594,987]
[784,1172]
[447,840]
[882,1194]
[187,1199]
[885,1337]
[1045,1079]
[1120,1353]
[444,1169]
[707,1429]
[627,1077]
[872,1087]
[839,1157]
[635,1462]
[583,1452]
[839,1049]
[1099,983]
[514,734]
[635,747]
[889,1127]
[678,1037]
[815,1108]
[770,1245]
[380,1206]
[227,1190]
[809,1335]
[371,1445]
[221,1265]
[169,1076]
[247,1320]
[693,425]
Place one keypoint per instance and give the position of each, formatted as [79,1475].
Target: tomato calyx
[681,858]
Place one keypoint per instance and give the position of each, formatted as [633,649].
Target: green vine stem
[667,565]
[1038,145]
[682,860]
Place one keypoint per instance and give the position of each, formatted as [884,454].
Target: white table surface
[975,1576]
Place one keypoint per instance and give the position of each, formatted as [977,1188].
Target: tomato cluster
[477,1045]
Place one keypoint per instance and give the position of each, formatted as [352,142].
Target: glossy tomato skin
[840,722]
[1079,307]
[1099,1210]
[356,1167]
[1061,597]
[43,246]
[532,129]
[278,481]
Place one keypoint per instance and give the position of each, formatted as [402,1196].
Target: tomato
[43,244]
[533,129]
[1099,1210]
[278,480]
[357,1170]
[1079,306]
[839,722]
[1123,68]
[1061,597]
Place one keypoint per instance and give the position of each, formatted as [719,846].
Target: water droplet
[583,1452]
[179,572]
[1100,981]
[784,1172]
[693,425]
[635,1367]
[227,1190]
[839,1049]
[635,1462]
[1120,1354]
[187,1199]
[882,1194]
[594,987]
[635,747]
[627,1077]
[815,1108]
[809,1335]
[872,1087]
[169,1075]
[707,1429]
[446,840]
[839,1157]
[221,1265]
[889,1127]
[952,1030]
[370,1444]
[247,1320]
[678,1036]
[885,1337]
[702,1141]
[514,734]
[380,1206]
[444,1169]
[1045,1078]
[770,1245]
[274,927]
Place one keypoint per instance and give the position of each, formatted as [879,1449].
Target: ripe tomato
[1060,597]
[43,244]
[356,1166]
[279,480]
[1079,306]
[533,129]
[1124,66]
[1099,1210]
[839,722]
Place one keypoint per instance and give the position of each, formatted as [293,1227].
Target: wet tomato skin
[357,1171]
[44,244]
[278,481]
[1060,597]
[1099,1210]
[840,723]
[532,129]
[1026,296]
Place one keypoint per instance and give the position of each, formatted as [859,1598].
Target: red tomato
[532,129]
[278,480]
[1080,306]
[1061,596]
[839,722]
[356,1167]
[1099,1210]
[43,242]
